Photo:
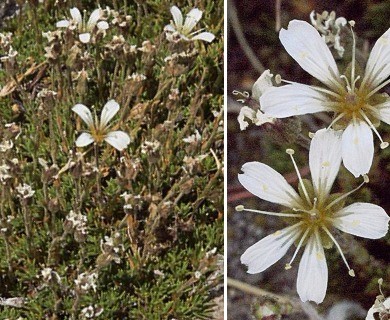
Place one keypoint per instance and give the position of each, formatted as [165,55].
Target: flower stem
[5,234]
[98,176]
[27,225]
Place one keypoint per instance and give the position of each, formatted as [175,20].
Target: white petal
[102,25]
[261,118]
[93,19]
[303,42]
[267,184]
[370,313]
[312,278]
[324,160]
[384,112]
[292,100]
[357,148]
[85,37]
[363,220]
[192,19]
[245,112]
[76,15]
[378,64]
[205,36]
[263,83]
[84,113]
[84,139]
[118,139]
[177,17]
[169,28]
[269,250]
[110,109]
[62,24]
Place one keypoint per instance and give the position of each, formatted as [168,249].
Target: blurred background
[253,46]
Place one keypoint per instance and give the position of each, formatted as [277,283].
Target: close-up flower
[316,214]
[354,97]
[99,130]
[184,30]
[84,27]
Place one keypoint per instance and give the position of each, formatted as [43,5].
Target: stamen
[383,144]
[288,265]
[350,271]
[356,80]
[380,282]
[347,82]
[96,120]
[315,203]
[337,200]
[302,210]
[353,59]
[278,214]
[291,152]
[195,32]
[340,116]
[378,88]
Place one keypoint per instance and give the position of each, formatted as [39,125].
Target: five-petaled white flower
[316,212]
[85,28]
[99,130]
[184,31]
[354,98]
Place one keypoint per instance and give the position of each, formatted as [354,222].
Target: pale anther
[384,145]
[290,151]
[278,79]
[240,208]
[287,266]
[351,273]
[365,178]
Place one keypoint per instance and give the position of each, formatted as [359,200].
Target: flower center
[351,104]
[98,134]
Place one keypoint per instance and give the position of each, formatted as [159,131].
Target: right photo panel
[308,114]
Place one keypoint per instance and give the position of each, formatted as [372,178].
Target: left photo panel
[111,159]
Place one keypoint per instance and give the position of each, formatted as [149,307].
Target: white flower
[352,97]
[6,145]
[316,213]
[380,307]
[86,281]
[184,31]
[330,28]
[257,117]
[4,173]
[194,138]
[263,83]
[85,29]
[25,191]
[99,130]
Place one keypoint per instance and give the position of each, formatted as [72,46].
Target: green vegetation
[102,233]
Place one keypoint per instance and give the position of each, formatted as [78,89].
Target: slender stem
[76,303]
[27,224]
[98,176]
[233,283]
[5,235]
[237,28]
